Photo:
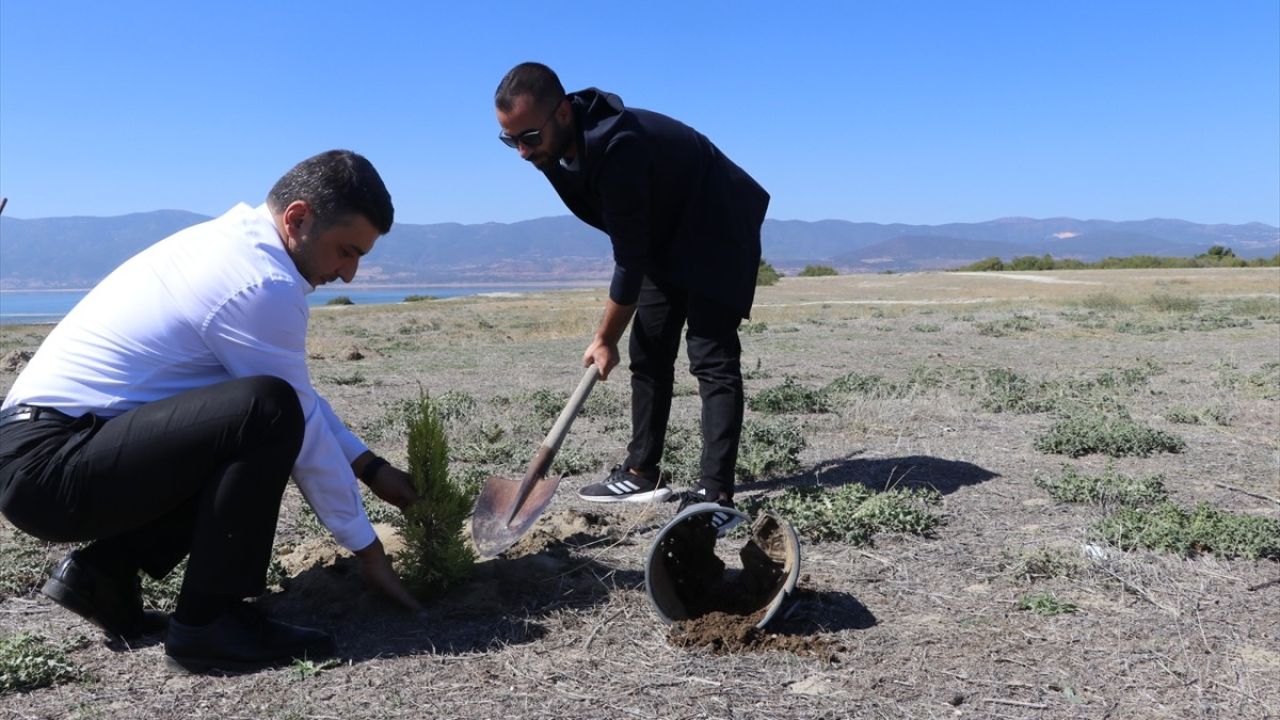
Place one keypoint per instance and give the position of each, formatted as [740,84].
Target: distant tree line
[1216,256]
[768,274]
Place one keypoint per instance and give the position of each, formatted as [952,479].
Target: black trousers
[715,359]
[197,475]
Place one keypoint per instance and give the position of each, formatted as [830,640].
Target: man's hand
[375,568]
[604,355]
[603,350]
[393,485]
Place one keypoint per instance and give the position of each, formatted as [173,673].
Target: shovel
[507,508]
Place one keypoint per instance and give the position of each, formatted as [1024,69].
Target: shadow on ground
[912,471]
[811,612]
[501,605]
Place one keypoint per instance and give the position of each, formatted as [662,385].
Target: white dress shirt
[217,301]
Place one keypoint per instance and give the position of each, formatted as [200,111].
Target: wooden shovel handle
[561,428]
[551,444]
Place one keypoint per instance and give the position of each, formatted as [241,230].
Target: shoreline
[552,284]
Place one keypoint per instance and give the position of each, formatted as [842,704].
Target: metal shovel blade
[490,530]
[507,508]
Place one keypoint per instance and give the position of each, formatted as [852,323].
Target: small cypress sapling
[437,556]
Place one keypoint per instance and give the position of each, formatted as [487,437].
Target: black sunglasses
[531,138]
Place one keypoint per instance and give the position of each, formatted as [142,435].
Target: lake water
[37,307]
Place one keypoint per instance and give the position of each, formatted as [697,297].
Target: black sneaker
[622,485]
[721,522]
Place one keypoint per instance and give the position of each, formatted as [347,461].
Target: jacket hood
[599,104]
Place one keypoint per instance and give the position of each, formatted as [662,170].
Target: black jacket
[674,207]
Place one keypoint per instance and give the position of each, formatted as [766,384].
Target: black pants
[715,359]
[199,474]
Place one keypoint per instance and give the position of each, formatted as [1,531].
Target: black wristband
[371,469]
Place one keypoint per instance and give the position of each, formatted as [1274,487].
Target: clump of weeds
[1042,564]
[30,662]
[1204,530]
[789,397]
[1045,603]
[1110,432]
[852,513]
[1109,488]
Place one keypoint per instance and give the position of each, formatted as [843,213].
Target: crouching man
[163,416]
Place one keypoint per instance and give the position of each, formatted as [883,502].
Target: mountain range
[79,251]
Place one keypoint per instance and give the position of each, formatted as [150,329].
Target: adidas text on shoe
[622,485]
[721,522]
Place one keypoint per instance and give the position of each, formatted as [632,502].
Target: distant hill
[79,251]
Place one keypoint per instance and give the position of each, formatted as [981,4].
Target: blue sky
[878,111]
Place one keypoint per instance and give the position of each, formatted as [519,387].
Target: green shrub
[306,669]
[455,405]
[851,513]
[1045,603]
[1138,327]
[492,447]
[1258,308]
[1031,262]
[604,403]
[818,271]
[1105,302]
[436,556]
[1169,528]
[1110,433]
[418,298]
[573,460]
[1004,390]
[1207,415]
[991,264]
[1043,564]
[1265,383]
[789,397]
[1165,302]
[1109,488]
[766,274]
[753,328]
[545,405]
[1019,323]
[682,452]
[858,384]
[769,449]
[1208,322]
[926,328]
[355,378]
[339,300]
[29,662]
[766,449]
[1182,415]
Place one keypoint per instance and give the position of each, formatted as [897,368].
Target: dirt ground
[909,627]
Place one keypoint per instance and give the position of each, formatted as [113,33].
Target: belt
[25,413]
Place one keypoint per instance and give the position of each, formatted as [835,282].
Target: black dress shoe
[112,603]
[240,640]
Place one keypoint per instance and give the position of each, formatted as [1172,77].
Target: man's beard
[563,140]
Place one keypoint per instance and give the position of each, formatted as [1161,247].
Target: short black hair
[336,184]
[529,78]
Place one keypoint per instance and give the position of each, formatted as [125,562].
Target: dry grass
[927,627]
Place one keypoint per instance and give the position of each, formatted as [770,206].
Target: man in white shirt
[163,416]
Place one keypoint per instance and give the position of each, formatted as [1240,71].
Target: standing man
[684,222]
[163,416]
